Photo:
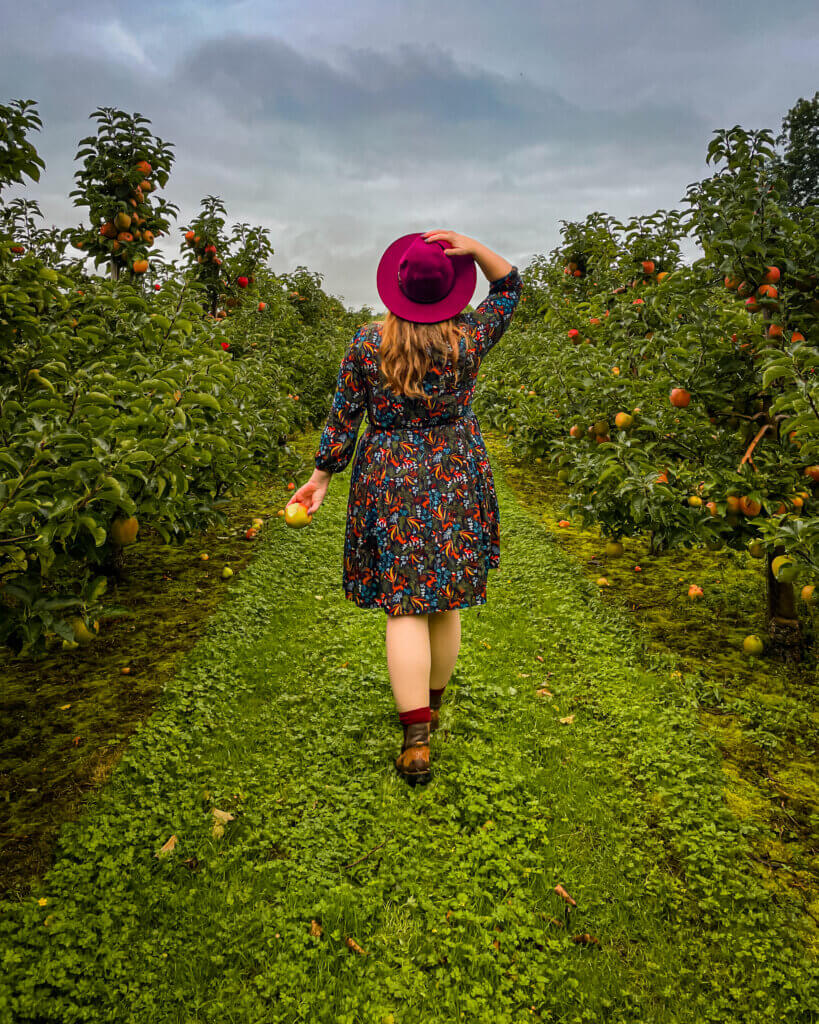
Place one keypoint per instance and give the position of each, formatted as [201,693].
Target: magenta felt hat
[417,281]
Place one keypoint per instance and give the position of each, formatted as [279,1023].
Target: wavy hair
[409,349]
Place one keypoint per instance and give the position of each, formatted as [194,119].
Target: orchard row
[689,412]
[137,401]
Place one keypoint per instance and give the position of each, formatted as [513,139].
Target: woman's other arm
[493,315]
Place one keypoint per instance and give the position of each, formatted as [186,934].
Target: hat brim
[397,302]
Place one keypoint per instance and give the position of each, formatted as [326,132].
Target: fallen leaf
[354,946]
[524,675]
[171,843]
[538,657]
[586,939]
[221,816]
[316,929]
[562,893]
[218,830]
[543,692]
[554,920]
[64,707]
[567,720]
[496,944]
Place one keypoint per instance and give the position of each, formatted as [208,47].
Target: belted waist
[421,429]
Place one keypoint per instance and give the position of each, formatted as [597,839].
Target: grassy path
[282,716]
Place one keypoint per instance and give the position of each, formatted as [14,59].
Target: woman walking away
[423,524]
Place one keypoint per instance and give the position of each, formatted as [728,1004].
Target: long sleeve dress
[423,524]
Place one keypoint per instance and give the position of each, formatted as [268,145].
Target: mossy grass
[338,893]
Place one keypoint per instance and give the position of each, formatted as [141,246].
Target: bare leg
[445,643]
[408,660]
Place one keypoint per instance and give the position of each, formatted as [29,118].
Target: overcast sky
[340,126]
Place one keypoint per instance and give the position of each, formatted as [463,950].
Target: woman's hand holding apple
[312,493]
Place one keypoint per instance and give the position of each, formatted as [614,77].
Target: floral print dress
[423,524]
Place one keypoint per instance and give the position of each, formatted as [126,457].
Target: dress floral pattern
[423,524]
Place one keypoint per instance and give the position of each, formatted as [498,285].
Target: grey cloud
[342,128]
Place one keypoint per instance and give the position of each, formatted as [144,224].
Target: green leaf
[18,592]
[22,507]
[776,372]
[137,455]
[58,603]
[95,588]
[93,527]
[201,398]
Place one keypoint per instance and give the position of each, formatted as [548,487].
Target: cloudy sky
[340,126]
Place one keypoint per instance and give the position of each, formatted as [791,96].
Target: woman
[423,525]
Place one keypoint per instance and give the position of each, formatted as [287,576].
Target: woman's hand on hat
[459,245]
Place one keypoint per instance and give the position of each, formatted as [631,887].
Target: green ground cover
[763,712]
[66,719]
[570,754]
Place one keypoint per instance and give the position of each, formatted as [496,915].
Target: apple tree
[123,165]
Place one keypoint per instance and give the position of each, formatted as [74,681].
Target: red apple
[679,398]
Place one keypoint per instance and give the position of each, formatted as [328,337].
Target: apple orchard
[674,402]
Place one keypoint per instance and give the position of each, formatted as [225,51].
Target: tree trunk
[782,620]
[114,270]
[114,563]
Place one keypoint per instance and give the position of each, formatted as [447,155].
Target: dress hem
[379,605]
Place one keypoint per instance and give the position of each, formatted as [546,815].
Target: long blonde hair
[408,349]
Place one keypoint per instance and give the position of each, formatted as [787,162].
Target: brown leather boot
[435,697]
[413,761]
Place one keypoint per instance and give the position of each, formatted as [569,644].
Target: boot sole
[414,778]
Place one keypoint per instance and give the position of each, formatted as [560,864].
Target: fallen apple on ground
[752,645]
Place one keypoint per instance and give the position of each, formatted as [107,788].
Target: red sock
[416,715]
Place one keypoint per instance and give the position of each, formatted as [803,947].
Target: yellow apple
[296,515]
